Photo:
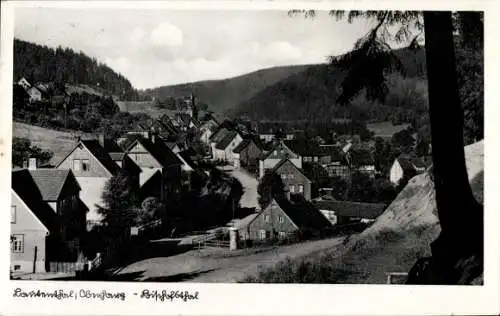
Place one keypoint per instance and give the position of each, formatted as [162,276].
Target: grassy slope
[223,95]
[60,143]
[393,243]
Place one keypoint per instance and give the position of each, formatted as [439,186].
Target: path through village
[219,265]
[250,198]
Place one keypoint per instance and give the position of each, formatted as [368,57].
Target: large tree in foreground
[457,254]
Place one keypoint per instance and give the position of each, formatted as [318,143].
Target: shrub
[313,271]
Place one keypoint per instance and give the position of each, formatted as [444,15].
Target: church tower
[192,109]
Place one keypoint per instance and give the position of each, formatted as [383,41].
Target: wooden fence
[66,267]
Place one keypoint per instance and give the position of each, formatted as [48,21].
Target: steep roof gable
[95,149]
[304,215]
[158,150]
[284,162]
[223,143]
[52,182]
[278,147]
[102,155]
[28,191]
[245,143]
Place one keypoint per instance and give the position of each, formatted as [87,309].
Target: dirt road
[249,182]
[214,266]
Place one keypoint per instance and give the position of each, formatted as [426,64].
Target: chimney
[101,139]
[32,164]
[261,169]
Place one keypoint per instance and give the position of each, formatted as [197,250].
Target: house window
[13,214]
[301,189]
[18,243]
[77,164]
[283,176]
[266,218]
[316,159]
[290,176]
[85,165]
[262,234]
[292,189]
[280,219]
[275,152]
[282,235]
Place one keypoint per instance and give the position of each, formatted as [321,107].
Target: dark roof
[304,147]
[360,157]
[130,165]
[191,152]
[187,157]
[223,143]
[277,145]
[284,161]
[158,150]
[26,188]
[352,209]
[117,156]
[304,214]
[242,145]
[111,146]
[334,151]
[314,171]
[270,127]
[171,145]
[219,134]
[102,155]
[51,182]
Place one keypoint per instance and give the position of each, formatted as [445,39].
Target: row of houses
[52,208]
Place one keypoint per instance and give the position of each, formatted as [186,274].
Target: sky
[163,47]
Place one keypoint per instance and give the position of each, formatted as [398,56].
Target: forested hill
[312,93]
[223,95]
[39,63]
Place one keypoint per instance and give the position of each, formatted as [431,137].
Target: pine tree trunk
[460,216]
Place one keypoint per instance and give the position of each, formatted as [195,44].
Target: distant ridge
[223,95]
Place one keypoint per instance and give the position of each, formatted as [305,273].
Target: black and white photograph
[312,146]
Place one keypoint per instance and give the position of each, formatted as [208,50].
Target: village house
[361,160]
[153,156]
[311,151]
[47,219]
[405,166]
[35,95]
[164,128]
[347,212]
[94,162]
[223,150]
[294,180]
[278,152]
[24,83]
[207,128]
[268,131]
[247,154]
[282,219]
